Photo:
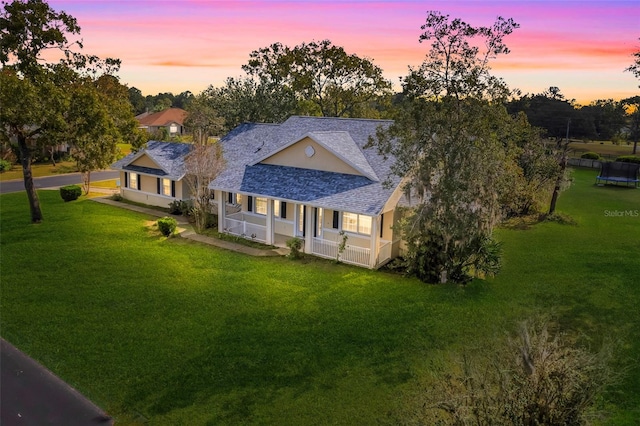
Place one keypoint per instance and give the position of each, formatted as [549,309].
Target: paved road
[57,180]
[33,396]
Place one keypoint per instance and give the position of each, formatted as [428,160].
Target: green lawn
[174,332]
[40,170]
[606,149]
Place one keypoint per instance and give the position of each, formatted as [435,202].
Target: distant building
[171,119]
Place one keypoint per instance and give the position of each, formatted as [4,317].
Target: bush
[539,377]
[178,207]
[167,225]
[629,159]
[591,156]
[295,244]
[117,197]
[70,192]
[5,165]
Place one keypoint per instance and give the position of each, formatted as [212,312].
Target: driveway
[55,181]
[31,395]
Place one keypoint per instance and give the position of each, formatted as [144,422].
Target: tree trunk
[86,181]
[560,178]
[29,186]
[563,168]
[52,154]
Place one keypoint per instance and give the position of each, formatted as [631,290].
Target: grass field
[173,332]
[606,149]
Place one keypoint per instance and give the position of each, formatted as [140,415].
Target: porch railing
[384,253]
[355,255]
[246,229]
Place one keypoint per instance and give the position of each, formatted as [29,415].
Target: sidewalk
[185,230]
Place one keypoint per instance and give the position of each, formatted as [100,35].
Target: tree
[34,93]
[325,79]
[604,119]
[203,164]
[202,120]
[451,147]
[99,116]
[137,100]
[205,161]
[31,101]
[631,107]
[538,377]
[549,111]
[247,99]
[635,67]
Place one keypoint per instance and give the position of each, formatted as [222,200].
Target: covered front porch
[321,230]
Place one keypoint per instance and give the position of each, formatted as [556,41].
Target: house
[311,178]
[172,120]
[154,175]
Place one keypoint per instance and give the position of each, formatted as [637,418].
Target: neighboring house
[171,119]
[311,178]
[154,175]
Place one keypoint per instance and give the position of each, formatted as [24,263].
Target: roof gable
[248,147]
[331,151]
[168,158]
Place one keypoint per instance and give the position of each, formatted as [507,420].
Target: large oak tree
[326,79]
[452,144]
[72,100]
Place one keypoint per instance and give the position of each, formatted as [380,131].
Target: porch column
[219,195]
[373,258]
[269,224]
[308,230]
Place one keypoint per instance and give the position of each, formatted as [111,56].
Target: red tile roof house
[311,178]
[171,119]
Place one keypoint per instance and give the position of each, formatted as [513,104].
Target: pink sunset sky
[582,47]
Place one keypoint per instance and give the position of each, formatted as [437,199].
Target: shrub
[167,225]
[178,207]
[70,192]
[591,156]
[629,159]
[5,165]
[295,244]
[117,197]
[551,381]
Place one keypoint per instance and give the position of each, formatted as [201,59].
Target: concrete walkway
[185,230]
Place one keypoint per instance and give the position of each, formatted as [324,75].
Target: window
[133,181]
[239,199]
[261,205]
[173,129]
[276,208]
[353,222]
[166,187]
[364,224]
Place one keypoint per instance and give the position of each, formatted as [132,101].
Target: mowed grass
[606,149]
[173,332]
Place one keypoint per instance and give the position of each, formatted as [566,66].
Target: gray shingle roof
[168,155]
[248,144]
